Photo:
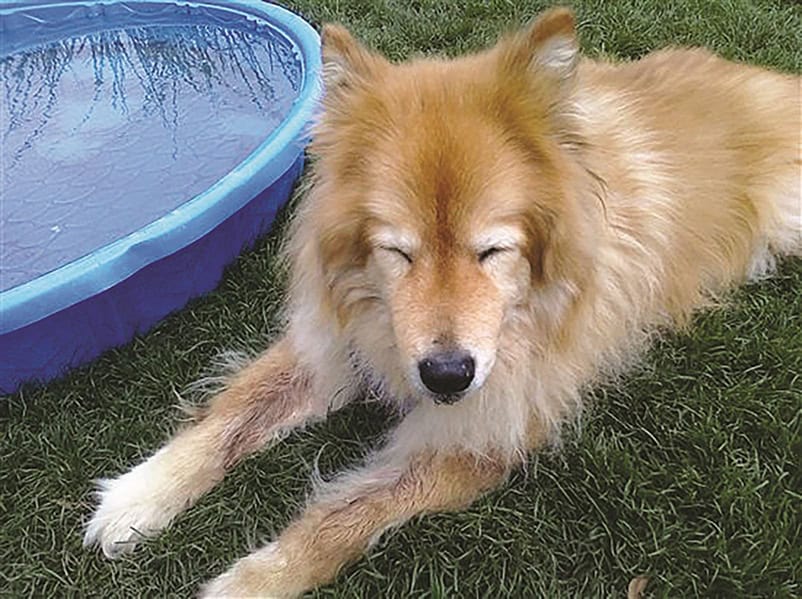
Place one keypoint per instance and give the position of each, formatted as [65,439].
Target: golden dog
[483,238]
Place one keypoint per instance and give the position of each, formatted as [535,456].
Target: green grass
[688,471]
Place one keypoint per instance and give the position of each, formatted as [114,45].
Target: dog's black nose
[447,373]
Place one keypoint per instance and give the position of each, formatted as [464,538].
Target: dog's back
[700,160]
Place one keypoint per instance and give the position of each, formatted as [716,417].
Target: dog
[483,238]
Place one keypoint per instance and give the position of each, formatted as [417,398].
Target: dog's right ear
[345,60]
[547,46]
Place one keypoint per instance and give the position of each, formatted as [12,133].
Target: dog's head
[444,195]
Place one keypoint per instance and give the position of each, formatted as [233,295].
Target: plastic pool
[144,145]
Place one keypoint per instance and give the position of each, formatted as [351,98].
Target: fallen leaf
[636,587]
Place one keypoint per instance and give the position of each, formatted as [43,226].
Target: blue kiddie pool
[145,143]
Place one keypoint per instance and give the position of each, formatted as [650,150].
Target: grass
[689,471]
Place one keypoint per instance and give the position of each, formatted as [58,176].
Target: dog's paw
[263,574]
[130,509]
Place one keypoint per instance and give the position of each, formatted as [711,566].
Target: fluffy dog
[482,239]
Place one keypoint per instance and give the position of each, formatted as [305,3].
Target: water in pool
[104,133]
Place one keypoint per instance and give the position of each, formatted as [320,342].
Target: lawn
[687,471]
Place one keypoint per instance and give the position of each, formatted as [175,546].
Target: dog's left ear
[548,46]
[345,60]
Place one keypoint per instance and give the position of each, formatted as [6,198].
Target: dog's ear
[547,46]
[345,60]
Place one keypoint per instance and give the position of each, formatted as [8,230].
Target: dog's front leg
[347,515]
[270,396]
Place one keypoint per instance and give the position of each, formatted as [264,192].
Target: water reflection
[104,133]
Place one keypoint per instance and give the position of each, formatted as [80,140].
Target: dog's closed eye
[398,252]
[490,252]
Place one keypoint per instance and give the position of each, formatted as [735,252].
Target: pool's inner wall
[47,348]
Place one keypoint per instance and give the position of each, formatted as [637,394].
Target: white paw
[131,508]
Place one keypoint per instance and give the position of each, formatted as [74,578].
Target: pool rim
[112,263]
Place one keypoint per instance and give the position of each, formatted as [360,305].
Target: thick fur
[543,212]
